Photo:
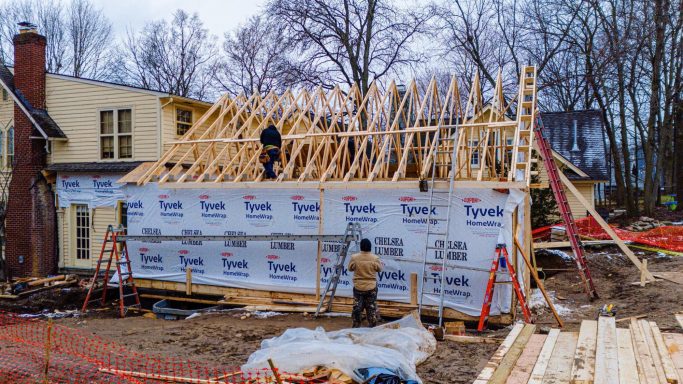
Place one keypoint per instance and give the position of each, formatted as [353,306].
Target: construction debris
[24,287]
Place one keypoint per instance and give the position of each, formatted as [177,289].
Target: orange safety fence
[665,237]
[39,351]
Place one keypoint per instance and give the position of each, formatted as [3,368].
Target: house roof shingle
[94,166]
[584,146]
[40,116]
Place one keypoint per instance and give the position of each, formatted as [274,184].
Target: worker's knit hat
[365,245]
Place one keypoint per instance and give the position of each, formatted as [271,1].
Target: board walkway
[599,353]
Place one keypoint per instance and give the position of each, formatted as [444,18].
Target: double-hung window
[116,134]
[82,218]
[183,120]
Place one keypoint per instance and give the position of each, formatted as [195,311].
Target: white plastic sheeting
[395,220]
[399,346]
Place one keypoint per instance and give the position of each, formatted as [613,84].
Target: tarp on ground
[395,220]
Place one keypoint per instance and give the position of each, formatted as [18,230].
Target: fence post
[47,351]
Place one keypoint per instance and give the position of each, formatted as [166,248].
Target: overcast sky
[218,16]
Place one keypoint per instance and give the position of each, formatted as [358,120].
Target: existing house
[76,137]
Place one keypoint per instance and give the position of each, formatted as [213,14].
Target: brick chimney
[30,220]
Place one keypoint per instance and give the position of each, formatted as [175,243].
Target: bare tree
[88,34]
[350,41]
[256,58]
[49,17]
[175,57]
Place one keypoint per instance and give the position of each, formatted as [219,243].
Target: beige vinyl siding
[586,190]
[168,121]
[6,120]
[76,106]
[100,218]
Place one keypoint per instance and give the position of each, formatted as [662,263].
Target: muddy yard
[227,339]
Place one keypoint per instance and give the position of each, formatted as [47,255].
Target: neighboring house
[578,147]
[578,143]
[74,138]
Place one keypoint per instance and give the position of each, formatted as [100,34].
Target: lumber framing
[341,135]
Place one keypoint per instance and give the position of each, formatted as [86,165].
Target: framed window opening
[116,133]
[82,222]
[183,119]
[10,147]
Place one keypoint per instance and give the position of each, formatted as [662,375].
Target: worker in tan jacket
[365,266]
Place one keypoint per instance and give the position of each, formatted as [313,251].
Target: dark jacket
[270,136]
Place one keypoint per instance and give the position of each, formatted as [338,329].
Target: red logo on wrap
[183,251]
[349,198]
[272,257]
[324,260]
[203,197]
[97,177]
[226,254]
[435,268]
[471,200]
[163,196]
[248,197]
[143,249]
[297,197]
[65,177]
[406,199]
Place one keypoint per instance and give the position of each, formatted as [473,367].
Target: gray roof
[40,116]
[94,166]
[583,147]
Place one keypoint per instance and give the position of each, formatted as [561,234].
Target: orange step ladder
[110,253]
[564,208]
[502,256]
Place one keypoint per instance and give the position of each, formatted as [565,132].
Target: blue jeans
[274,155]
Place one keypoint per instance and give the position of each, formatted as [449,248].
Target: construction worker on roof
[272,142]
[365,267]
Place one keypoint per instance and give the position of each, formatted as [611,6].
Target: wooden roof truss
[344,136]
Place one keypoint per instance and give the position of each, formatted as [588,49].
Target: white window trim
[116,134]
[175,117]
[74,217]
[474,145]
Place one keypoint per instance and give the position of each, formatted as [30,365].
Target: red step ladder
[563,206]
[502,256]
[125,274]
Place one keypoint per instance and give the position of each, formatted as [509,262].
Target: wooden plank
[674,343]
[654,352]
[647,370]
[413,288]
[559,370]
[566,244]
[583,367]
[490,367]
[544,357]
[510,360]
[674,277]
[628,368]
[472,339]
[605,226]
[670,373]
[607,352]
[525,364]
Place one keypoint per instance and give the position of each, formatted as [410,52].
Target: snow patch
[537,302]
[561,254]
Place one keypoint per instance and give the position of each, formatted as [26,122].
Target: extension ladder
[502,256]
[125,275]
[439,199]
[353,233]
[565,209]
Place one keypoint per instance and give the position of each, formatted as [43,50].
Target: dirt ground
[228,340]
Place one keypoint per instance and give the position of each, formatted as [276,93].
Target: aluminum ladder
[438,200]
[353,233]
[564,208]
[125,274]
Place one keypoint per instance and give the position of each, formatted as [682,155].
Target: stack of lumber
[599,353]
[24,287]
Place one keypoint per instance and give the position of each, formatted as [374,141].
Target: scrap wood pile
[359,355]
[20,288]
[599,353]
